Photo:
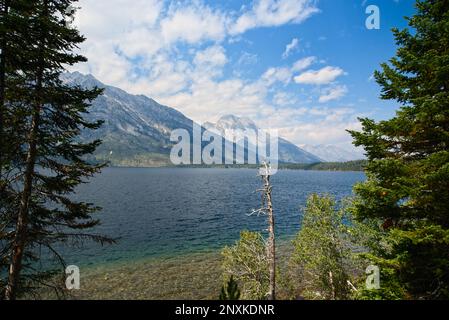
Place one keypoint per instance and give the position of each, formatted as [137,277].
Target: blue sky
[303,67]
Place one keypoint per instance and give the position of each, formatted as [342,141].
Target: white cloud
[268,13]
[193,24]
[104,19]
[247,59]
[329,127]
[139,42]
[325,75]
[212,56]
[207,99]
[317,125]
[333,93]
[165,76]
[293,45]
[273,75]
[320,132]
[282,98]
[303,63]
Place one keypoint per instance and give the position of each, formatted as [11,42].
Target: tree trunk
[20,238]
[271,237]
[331,281]
[22,219]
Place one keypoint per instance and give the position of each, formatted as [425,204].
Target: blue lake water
[174,211]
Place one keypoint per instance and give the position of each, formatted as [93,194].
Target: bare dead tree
[266,209]
[331,280]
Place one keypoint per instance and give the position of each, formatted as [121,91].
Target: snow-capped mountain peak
[231,122]
[233,128]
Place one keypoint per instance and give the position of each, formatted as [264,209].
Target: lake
[165,212]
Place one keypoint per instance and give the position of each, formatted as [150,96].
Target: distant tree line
[357,165]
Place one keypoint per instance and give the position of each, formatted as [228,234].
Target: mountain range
[229,126]
[136,129]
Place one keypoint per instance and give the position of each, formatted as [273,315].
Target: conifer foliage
[230,291]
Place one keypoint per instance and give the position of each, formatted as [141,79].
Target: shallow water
[169,212]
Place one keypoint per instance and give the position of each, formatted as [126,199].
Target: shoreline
[190,276]
[195,276]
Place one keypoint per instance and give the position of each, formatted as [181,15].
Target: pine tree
[407,187]
[230,291]
[49,162]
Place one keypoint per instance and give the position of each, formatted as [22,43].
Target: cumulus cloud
[208,99]
[164,76]
[193,24]
[282,99]
[328,128]
[269,13]
[303,63]
[273,75]
[106,19]
[214,56]
[247,58]
[320,132]
[333,93]
[325,75]
[293,45]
